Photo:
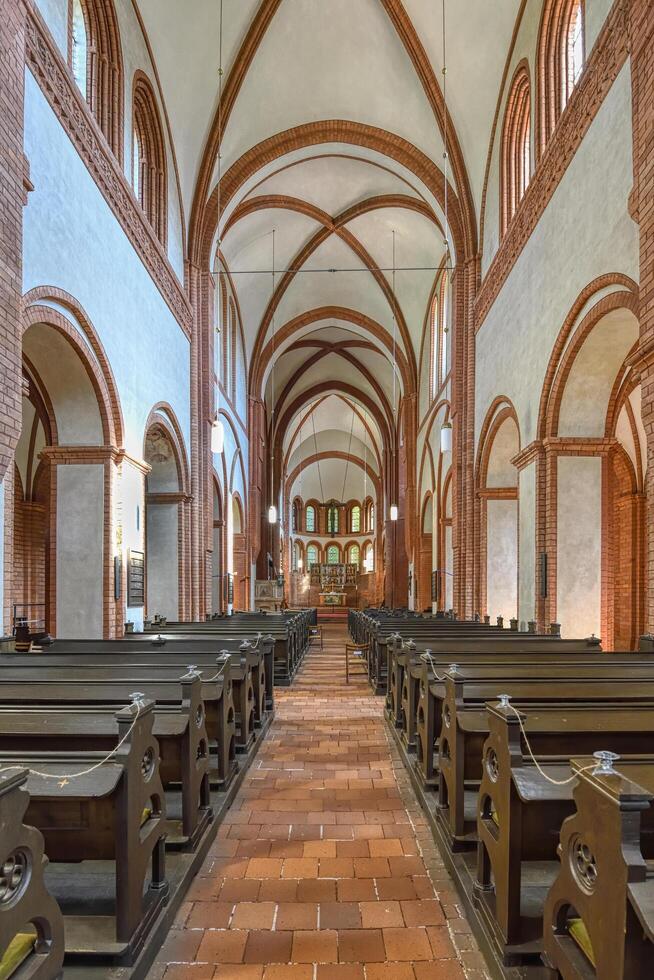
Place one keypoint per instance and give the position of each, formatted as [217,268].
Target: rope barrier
[137,699]
[603,766]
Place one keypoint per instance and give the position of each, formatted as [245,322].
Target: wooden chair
[315,633]
[359,654]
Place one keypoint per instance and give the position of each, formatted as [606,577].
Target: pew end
[599,913]
[31,924]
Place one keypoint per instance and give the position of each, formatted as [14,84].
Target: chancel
[326,414]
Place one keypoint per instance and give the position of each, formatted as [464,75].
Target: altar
[333,599]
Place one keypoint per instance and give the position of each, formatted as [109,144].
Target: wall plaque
[135,578]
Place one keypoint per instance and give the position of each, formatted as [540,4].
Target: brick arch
[409,38]
[54,294]
[104,70]
[551,65]
[257,372]
[499,412]
[426,449]
[313,134]
[333,454]
[152,189]
[501,409]
[107,406]
[564,354]
[630,295]
[163,414]
[517,128]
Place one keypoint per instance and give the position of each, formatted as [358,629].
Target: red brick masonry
[325,868]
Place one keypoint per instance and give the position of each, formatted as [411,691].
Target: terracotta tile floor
[324,868]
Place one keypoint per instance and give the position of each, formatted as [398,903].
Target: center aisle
[324,868]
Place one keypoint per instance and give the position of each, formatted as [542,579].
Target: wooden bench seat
[599,913]
[180,724]
[31,924]
[520,811]
[423,689]
[464,722]
[216,691]
[290,629]
[114,815]
[179,649]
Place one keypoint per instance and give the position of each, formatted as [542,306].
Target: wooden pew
[599,913]
[286,653]
[115,814]
[191,648]
[423,686]
[180,728]
[464,725]
[217,688]
[31,924]
[520,811]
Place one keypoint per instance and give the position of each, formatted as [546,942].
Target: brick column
[642,209]
[15,183]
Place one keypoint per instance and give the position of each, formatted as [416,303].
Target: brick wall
[14,182]
[642,209]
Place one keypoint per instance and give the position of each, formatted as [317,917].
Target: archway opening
[163,523]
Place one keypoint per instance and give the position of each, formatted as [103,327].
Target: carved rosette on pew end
[114,814]
[31,924]
[599,913]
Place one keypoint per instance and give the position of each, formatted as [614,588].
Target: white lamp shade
[272,514]
[446,437]
[217,436]
[393,513]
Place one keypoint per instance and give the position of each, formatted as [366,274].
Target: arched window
[79,41]
[310,520]
[439,335]
[333,555]
[369,558]
[515,168]
[312,556]
[560,62]
[149,157]
[355,519]
[332,519]
[296,516]
[95,60]
[232,350]
[371,522]
[574,51]
[354,555]
[297,557]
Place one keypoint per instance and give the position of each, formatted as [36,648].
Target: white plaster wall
[589,209]
[579,545]
[73,241]
[527,543]
[135,56]
[80,551]
[526,48]
[55,14]
[502,559]
[161,559]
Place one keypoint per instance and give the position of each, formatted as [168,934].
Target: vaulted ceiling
[333,124]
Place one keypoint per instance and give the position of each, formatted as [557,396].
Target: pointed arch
[149,170]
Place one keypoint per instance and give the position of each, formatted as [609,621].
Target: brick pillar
[642,209]
[14,182]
